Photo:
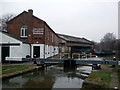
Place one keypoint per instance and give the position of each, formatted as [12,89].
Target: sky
[90,19]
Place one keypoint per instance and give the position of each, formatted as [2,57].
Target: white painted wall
[16,52]
[46,51]
[49,50]
[56,50]
[52,50]
[19,52]
[25,50]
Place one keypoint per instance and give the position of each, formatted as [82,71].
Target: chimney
[30,11]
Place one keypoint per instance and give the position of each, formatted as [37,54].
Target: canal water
[50,77]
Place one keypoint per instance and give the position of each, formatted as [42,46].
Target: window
[52,37]
[48,35]
[23,31]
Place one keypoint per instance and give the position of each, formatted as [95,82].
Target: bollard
[113,66]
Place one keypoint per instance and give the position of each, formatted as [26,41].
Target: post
[113,66]
[69,64]
[70,52]
[78,56]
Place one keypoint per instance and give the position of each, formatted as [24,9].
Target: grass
[106,66]
[0,69]
[117,69]
[118,66]
[100,78]
[105,76]
[118,73]
[13,68]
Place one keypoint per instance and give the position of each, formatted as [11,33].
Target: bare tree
[96,45]
[108,41]
[5,18]
[117,45]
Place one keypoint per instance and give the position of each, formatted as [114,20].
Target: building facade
[12,49]
[42,39]
[71,44]
[29,36]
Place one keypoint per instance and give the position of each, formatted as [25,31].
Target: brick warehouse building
[42,39]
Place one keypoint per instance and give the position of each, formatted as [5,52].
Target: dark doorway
[5,53]
[36,51]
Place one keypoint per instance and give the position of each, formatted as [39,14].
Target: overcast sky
[90,19]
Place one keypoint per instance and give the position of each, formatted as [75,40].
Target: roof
[74,39]
[13,37]
[16,17]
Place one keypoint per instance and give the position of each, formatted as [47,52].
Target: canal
[51,77]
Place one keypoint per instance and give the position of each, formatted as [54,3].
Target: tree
[5,18]
[108,41]
[117,45]
[96,45]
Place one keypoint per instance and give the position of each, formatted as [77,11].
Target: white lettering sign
[38,30]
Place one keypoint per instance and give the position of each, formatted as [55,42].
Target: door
[5,53]
[36,51]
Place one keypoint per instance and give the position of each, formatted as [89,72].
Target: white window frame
[23,31]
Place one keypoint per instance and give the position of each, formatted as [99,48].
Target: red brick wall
[31,22]
[51,37]
[37,37]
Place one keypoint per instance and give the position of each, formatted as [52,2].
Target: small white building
[12,49]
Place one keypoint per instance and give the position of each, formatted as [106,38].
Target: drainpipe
[44,50]
[30,50]
[44,39]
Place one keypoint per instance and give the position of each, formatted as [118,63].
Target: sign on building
[38,30]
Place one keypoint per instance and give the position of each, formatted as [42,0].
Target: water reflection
[65,82]
[52,77]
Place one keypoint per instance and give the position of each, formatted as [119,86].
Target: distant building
[30,29]
[73,44]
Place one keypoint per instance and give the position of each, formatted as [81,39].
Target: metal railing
[78,61]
